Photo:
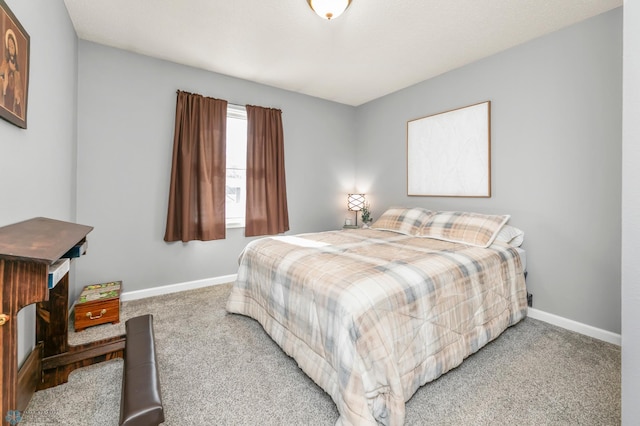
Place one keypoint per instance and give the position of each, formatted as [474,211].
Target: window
[236,185]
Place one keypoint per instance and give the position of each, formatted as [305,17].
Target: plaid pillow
[474,229]
[403,220]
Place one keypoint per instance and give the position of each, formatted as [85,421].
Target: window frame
[240,113]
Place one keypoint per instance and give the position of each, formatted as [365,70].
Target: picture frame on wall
[449,153]
[14,68]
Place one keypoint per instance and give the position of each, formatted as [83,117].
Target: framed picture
[449,154]
[14,68]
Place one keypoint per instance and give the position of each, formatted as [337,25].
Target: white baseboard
[568,324]
[174,288]
[578,327]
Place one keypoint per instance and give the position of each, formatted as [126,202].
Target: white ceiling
[376,47]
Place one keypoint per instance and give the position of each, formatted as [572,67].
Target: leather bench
[141,402]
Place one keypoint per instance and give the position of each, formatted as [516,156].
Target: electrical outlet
[530,300]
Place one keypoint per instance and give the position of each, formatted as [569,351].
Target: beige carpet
[222,369]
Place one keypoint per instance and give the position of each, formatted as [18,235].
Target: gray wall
[631,218]
[556,108]
[126,112]
[38,165]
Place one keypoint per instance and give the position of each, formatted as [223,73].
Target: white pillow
[511,235]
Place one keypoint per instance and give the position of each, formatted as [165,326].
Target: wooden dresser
[27,251]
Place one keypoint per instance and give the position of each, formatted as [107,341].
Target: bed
[373,314]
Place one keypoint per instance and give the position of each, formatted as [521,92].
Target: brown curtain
[197,194]
[267,212]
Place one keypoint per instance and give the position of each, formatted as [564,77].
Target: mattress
[523,257]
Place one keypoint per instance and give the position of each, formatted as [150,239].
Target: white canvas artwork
[448,154]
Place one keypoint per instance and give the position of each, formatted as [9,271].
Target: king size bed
[373,314]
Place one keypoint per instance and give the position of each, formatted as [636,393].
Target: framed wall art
[449,154]
[14,68]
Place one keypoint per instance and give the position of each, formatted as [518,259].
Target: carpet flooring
[222,369]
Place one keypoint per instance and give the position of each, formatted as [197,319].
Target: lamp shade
[355,202]
[329,9]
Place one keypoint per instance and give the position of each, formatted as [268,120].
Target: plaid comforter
[373,315]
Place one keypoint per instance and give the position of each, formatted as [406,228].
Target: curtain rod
[228,103]
[198,94]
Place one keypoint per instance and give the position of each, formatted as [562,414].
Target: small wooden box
[98,304]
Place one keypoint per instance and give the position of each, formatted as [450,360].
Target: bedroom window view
[236,183]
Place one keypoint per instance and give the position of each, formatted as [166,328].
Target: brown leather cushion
[141,402]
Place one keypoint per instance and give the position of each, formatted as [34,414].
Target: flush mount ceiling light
[329,9]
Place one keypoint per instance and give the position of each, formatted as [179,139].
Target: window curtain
[197,193]
[267,212]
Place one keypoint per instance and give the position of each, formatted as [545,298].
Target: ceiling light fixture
[329,9]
